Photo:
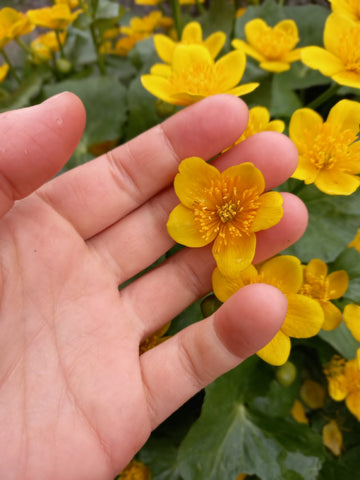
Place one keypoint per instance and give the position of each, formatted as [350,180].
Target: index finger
[98,194]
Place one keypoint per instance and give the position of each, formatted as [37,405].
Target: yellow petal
[215,42]
[335,26]
[345,115]
[353,403]
[332,437]
[335,182]
[224,287]
[194,179]
[352,319]
[243,89]
[298,412]
[230,69]
[320,59]
[255,29]
[246,176]
[160,87]
[293,56]
[192,33]
[303,119]
[289,27]
[284,272]
[277,351]
[338,283]
[269,212]
[338,387]
[316,268]
[248,49]
[349,79]
[164,47]
[332,316]
[313,394]
[275,66]
[233,254]
[304,317]
[182,228]
[161,70]
[305,170]
[185,56]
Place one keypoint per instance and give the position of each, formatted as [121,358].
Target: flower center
[199,79]
[226,210]
[316,287]
[274,43]
[349,51]
[327,149]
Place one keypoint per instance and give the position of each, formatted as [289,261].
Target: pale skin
[76,399]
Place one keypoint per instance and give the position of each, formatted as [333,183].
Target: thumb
[35,143]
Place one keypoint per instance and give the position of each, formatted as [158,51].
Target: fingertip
[250,318]
[68,105]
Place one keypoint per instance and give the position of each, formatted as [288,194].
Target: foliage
[243,422]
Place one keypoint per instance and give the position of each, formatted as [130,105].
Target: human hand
[76,399]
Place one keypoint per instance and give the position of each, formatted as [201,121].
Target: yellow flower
[332,437]
[259,121]
[44,46]
[226,208]
[148,2]
[57,17]
[324,288]
[193,75]
[3,71]
[304,316]
[349,8]
[298,412]
[70,3]
[273,47]
[329,153]
[351,316]
[135,471]
[355,243]
[344,383]
[340,59]
[192,34]
[12,24]
[240,12]
[143,27]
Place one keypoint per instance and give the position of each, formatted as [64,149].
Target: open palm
[76,399]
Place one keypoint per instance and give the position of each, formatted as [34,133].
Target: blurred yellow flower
[340,59]
[240,12]
[304,316]
[136,470]
[44,46]
[193,75]
[329,153]
[226,208]
[351,316]
[259,121]
[273,47]
[324,288]
[192,34]
[298,412]
[12,24]
[355,243]
[143,27]
[3,71]
[349,8]
[57,17]
[313,394]
[148,2]
[344,382]
[70,3]
[332,437]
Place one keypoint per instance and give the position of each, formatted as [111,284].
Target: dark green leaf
[342,340]
[349,260]
[28,90]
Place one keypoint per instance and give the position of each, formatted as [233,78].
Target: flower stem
[176,12]
[61,47]
[11,67]
[200,7]
[324,96]
[22,45]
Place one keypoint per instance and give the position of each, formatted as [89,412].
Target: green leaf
[342,340]
[142,112]
[104,99]
[28,90]
[333,222]
[347,467]
[230,437]
[219,17]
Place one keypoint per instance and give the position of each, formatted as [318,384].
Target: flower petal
[230,69]
[352,319]
[243,89]
[353,403]
[304,317]
[248,49]
[159,86]
[334,28]
[192,33]
[315,268]
[320,59]
[332,316]
[224,287]
[255,29]
[275,66]
[277,351]
[183,229]
[338,283]
[269,212]
[194,178]
[284,272]
[349,79]
[233,254]
[185,56]
[215,42]
[345,115]
[246,176]
[305,170]
[302,120]
[164,47]
[335,182]
[161,70]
